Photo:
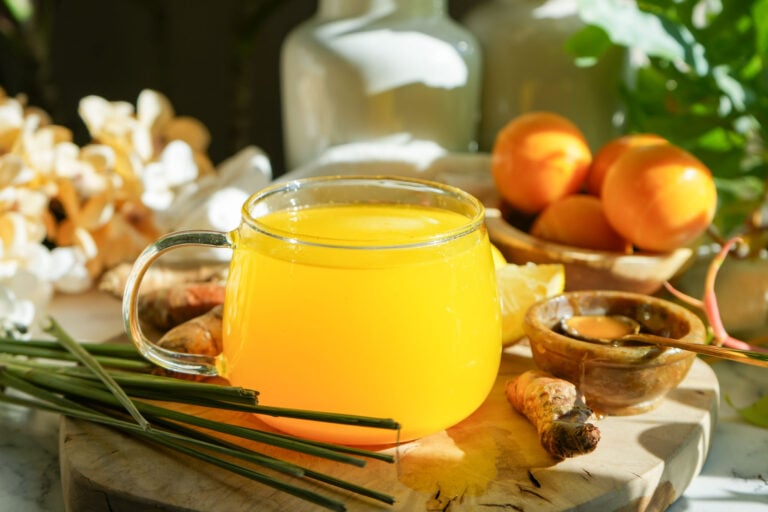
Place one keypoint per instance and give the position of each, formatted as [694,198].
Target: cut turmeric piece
[555,407]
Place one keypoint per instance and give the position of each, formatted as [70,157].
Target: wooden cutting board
[491,461]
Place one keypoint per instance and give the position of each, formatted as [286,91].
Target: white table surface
[733,479]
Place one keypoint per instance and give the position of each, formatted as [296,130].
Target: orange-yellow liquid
[411,334]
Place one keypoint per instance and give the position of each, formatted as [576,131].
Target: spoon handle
[741,356]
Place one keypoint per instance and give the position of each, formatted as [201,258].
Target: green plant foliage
[757,413]
[699,77]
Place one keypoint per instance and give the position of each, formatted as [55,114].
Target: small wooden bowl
[615,380]
[586,269]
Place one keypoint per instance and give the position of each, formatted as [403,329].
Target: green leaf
[760,15]
[588,45]
[716,139]
[730,87]
[21,10]
[757,413]
[652,33]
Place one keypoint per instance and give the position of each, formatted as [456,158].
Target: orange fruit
[659,197]
[578,220]
[612,150]
[538,158]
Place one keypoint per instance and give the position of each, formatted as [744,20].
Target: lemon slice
[498,258]
[520,286]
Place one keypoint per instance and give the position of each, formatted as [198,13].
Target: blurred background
[216,61]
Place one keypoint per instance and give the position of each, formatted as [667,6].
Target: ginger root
[161,275]
[556,409]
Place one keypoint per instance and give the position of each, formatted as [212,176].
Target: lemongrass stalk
[171,389]
[85,389]
[304,494]
[21,349]
[159,437]
[9,379]
[308,473]
[162,388]
[74,409]
[53,328]
[327,417]
[122,350]
[76,381]
[331,452]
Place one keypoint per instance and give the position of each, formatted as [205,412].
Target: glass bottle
[379,70]
[526,68]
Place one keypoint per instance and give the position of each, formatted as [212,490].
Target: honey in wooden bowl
[615,380]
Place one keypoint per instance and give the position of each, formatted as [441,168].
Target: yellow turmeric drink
[385,310]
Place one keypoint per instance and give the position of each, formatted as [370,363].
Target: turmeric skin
[165,308]
[198,335]
[558,412]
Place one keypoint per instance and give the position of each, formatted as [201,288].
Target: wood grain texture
[491,461]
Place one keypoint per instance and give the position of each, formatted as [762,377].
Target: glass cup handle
[169,359]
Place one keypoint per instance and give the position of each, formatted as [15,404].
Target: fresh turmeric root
[165,308]
[558,412]
[198,335]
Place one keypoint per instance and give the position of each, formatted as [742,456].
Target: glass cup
[370,296]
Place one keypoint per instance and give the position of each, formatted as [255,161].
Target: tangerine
[578,220]
[538,158]
[612,150]
[659,197]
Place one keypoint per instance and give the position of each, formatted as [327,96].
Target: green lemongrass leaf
[756,413]
[304,494]
[176,443]
[324,450]
[327,417]
[308,473]
[9,379]
[85,389]
[75,409]
[171,389]
[22,349]
[122,350]
[56,404]
[86,393]
[87,359]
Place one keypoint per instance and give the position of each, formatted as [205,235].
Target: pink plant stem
[711,308]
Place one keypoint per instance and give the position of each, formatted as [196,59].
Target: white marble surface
[733,479]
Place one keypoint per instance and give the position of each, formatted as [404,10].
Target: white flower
[68,271]
[163,179]
[24,297]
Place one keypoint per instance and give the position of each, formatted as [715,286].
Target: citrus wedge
[520,286]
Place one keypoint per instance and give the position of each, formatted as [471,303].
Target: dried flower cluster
[67,213]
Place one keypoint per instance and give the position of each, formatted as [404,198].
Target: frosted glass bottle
[526,67]
[369,70]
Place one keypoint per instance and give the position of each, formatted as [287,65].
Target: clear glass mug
[370,296]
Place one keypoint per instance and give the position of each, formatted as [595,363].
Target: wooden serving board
[491,461]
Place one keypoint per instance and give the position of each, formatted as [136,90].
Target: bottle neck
[335,9]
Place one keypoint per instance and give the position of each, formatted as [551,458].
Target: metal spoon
[631,329]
